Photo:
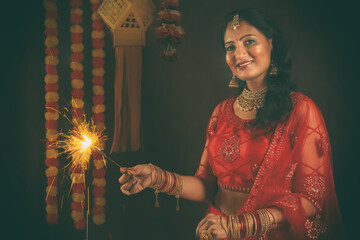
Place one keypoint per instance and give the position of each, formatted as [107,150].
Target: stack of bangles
[250,224]
[166,182]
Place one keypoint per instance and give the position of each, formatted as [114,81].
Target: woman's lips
[244,65]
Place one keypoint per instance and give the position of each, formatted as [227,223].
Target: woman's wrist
[165,181]
[251,224]
[153,177]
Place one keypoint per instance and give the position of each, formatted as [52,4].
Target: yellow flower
[100,201]
[98,72]
[50,23]
[98,34]
[51,116]
[76,215]
[77,11]
[78,197]
[51,172]
[77,103]
[76,28]
[77,83]
[51,41]
[50,6]
[99,182]
[76,66]
[95,16]
[77,178]
[98,108]
[100,126]
[51,209]
[98,164]
[51,153]
[51,78]
[77,47]
[98,53]
[52,134]
[49,60]
[98,90]
[99,219]
[51,97]
[51,190]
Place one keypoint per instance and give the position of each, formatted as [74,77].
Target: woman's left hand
[216,225]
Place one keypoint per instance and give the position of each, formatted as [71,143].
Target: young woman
[266,166]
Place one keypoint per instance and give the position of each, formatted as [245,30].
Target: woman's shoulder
[299,99]
[303,105]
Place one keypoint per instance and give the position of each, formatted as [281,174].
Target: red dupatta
[297,165]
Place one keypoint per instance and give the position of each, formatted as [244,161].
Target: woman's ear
[270,42]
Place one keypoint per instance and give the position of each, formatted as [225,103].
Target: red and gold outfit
[277,169]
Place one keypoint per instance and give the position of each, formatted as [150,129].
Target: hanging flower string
[51,106]
[77,83]
[98,109]
[170,32]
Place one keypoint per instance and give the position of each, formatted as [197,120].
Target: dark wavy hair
[278,103]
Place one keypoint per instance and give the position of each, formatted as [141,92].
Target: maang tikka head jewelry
[235,22]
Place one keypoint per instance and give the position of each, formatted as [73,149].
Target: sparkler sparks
[80,142]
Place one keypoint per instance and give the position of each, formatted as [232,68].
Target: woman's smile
[243,65]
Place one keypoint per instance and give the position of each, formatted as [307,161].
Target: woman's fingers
[142,170]
[128,184]
[212,224]
[124,178]
[200,225]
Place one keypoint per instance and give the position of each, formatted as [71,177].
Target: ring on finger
[205,235]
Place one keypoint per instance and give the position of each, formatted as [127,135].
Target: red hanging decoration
[77,83]
[170,32]
[98,109]
[51,115]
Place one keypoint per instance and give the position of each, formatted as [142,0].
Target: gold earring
[273,70]
[233,83]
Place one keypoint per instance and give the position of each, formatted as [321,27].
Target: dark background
[177,100]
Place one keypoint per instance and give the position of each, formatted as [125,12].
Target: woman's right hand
[135,179]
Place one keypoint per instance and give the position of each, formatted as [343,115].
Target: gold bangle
[274,223]
[237,227]
[255,223]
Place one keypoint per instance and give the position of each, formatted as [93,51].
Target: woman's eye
[230,48]
[249,42]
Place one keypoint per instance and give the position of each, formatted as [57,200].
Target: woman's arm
[139,177]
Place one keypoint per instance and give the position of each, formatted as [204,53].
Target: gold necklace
[251,100]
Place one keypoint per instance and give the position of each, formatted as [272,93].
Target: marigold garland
[98,109]
[51,106]
[77,83]
[170,32]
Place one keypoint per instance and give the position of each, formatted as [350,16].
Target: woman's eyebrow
[229,42]
[247,35]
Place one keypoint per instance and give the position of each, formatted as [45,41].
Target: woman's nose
[241,52]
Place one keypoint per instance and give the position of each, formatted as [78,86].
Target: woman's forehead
[242,29]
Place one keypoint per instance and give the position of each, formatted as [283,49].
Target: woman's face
[248,53]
